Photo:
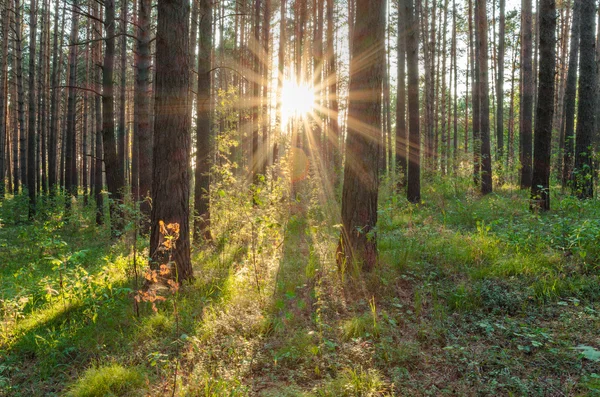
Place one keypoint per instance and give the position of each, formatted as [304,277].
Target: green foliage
[112,380]
[355,383]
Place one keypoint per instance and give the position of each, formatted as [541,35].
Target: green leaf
[589,352]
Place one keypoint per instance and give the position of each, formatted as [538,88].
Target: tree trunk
[401,97]
[476,95]
[361,177]
[114,173]
[4,96]
[500,86]
[583,171]
[414,136]
[333,95]
[142,104]
[96,56]
[54,107]
[570,93]
[70,152]
[121,133]
[525,130]
[202,172]
[21,95]
[172,140]
[486,158]
[540,185]
[31,133]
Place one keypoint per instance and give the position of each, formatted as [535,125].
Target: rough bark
[583,171]
[540,185]
[202,187]
[500,84]
[526,105]
[358,243]
[3,96]
[570,94]
[70,152]
[401,166]
[31,133]
[114,175]
[142,112]
[414,135]
[486,158]
[172,140]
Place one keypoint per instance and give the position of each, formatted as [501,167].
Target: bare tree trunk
[486,159]
[96,56]
[122,133]
[142,112]
[401,166]
[413,192]
[114,173]
[476,94]
[525,130]
[361,177]
[70,152]
[540,185]
[500,85]
[570,94]
[4,95]
[583,177]
[511,114]
[202,176]
[280,78]
[31,133]
[172,140]
[21,95]
[333,95]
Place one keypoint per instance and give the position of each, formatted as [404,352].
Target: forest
[299,198]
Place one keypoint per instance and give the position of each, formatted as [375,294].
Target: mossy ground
[473,296]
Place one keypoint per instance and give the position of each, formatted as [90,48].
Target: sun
[297,100]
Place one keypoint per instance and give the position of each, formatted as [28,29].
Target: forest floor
[473,296]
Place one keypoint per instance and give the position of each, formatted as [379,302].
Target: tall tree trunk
[335,137]
[476,95]
[358,243]
[540,185]
[4,96]
[70,152]
[455,105]
[570,94]
[280,78]
[511,112]
[500,85]
[31,133]
[96,56]
[114,173]
[266,61]
[122,131]
[172,140]
[401,166]
[486,158]
[583,170]
[526,106]
[142,112]
[413,192]
[256,153]
[21,95]
[54,107]
[202,172]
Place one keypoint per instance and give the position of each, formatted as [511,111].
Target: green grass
[472,295]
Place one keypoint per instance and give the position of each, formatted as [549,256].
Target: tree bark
[172,140]
[583,171]
[570,93]
[122,133]
[70,148]
[401,97]
[486,158]
[4,96]
[413,192]
[525,130]
[142,112]
[500,85]
[361,177]
[202,172]
[114,174]
[540,185]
